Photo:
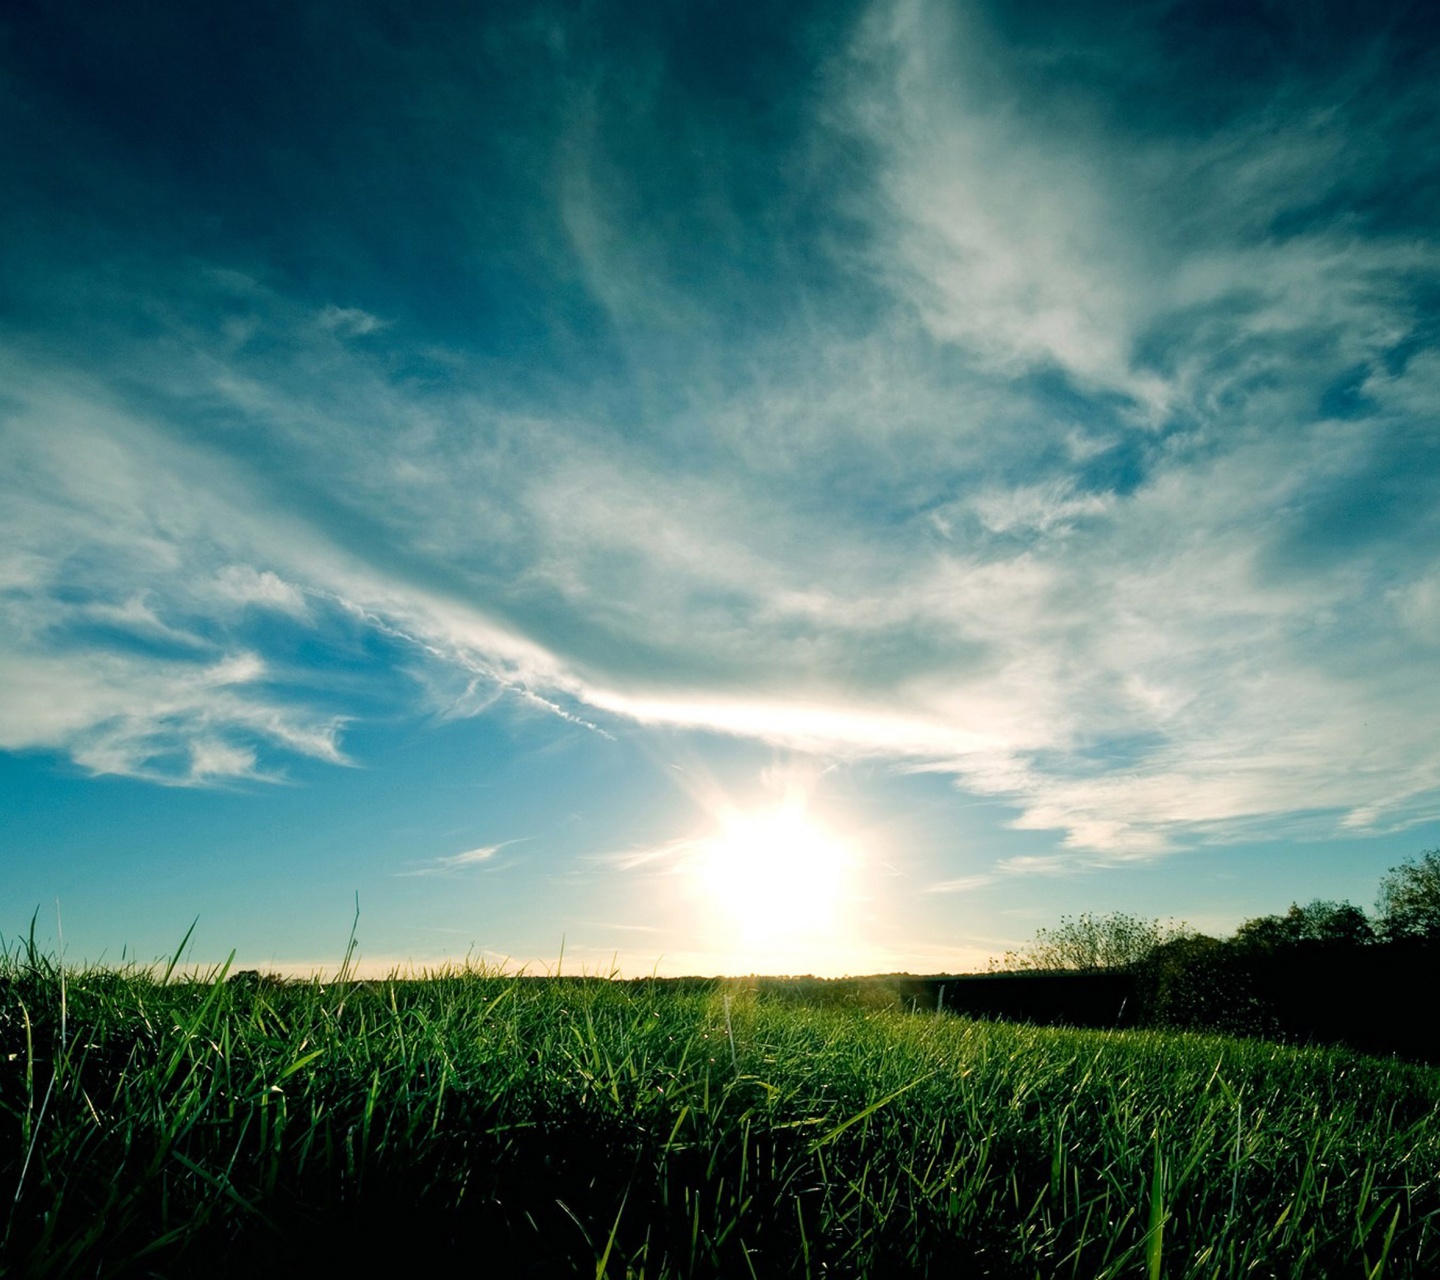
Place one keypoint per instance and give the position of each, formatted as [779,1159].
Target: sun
[775,877]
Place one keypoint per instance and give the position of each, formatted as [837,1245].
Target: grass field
[586,1127]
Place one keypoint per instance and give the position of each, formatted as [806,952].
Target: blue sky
[488,461]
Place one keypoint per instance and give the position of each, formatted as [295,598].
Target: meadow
[166,1124]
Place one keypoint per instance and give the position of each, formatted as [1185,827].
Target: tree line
[1323,970]
[1407,910]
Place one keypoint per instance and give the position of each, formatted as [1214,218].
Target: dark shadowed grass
[587,1127]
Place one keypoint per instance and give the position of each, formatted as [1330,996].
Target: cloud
[349,322]
[1049,622]
[245,584]
[175,723]
[622,928]
[472,856]
[113,650]
[1032,509]
[962,884]
[1009,245]
[137,618]
[1069,442]
[459,861]
[212,759]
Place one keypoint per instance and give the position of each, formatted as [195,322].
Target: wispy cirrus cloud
[449,864]
[961,884]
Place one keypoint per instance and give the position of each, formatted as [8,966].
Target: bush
[1087,943]
[1199,983]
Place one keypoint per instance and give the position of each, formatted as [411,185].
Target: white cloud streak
[451,863]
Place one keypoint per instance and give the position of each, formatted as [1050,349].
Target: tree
[1409,902]
[1089,942]
[1336,924]
[1332,924]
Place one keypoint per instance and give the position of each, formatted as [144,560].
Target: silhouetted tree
[1334,924]
[1338,923]
[1409,902]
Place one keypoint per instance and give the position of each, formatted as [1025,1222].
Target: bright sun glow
[776,877]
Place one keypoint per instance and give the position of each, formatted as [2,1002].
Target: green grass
[586,1127]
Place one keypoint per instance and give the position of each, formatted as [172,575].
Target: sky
[806,487]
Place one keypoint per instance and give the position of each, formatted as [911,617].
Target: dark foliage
[1319,973]
[1328,924]
[1409,902]
[1202,984]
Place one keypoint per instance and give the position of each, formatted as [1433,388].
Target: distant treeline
[1324,972]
